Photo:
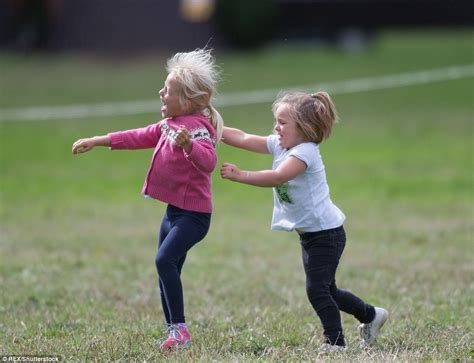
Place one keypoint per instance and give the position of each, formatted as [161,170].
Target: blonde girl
[183,159]
[302,203]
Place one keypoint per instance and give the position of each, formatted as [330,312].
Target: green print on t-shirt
[282,191]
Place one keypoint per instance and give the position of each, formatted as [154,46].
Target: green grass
[77,240]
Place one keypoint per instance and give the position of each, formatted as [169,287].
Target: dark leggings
[180,230]
[321,253]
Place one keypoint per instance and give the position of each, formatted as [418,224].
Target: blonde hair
[315,114]
[198,75]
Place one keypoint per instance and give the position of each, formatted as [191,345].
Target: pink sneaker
[178,338]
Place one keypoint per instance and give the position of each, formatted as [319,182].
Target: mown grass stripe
[50,112]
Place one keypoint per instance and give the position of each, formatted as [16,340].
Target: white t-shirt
[303,203]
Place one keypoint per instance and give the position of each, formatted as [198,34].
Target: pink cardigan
[175,177]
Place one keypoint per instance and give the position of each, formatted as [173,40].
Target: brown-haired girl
[302,203]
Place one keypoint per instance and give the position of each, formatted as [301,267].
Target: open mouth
[281,140]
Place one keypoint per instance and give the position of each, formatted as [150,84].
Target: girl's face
[169,96]
[288,132]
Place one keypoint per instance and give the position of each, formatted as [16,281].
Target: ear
[188,105]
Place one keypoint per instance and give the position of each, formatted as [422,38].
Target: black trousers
[321,254]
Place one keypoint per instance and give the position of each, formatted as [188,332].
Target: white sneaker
[331,348]
[369,332]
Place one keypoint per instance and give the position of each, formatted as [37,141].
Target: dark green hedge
[246,23]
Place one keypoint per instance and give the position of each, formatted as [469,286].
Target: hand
[83,145]
[230,171]
[183,139]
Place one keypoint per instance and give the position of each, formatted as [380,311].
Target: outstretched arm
[134,139]
[288,170]
[242,140]
[85,145]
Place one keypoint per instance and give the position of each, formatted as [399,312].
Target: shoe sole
[176,346]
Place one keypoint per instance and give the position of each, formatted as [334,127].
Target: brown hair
[315,114]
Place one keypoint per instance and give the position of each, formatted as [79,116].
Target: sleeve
[141,138]
[272,142]
[305,153]
[203,153]
[203,156]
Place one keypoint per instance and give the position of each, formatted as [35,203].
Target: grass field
[78,241]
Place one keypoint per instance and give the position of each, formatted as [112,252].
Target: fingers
[182,136]
[224,173]
[80,146]
[229,166]
[182,133]
[83,149]
[228,171]
[76,143]
[78,149]
[182,128]
[76,146]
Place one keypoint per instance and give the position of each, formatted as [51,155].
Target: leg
[186,229]
[347,301]
[164,304]
[353,305]
[372,318]
[321,254]
[164,230]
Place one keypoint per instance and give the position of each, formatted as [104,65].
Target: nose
[277,128]
[161,92]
